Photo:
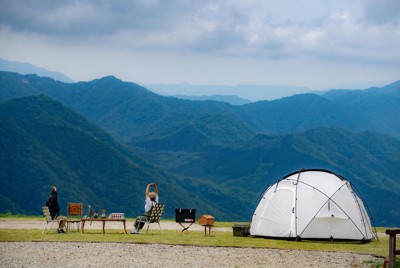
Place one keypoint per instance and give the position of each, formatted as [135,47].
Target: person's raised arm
[148,189]
[155,188]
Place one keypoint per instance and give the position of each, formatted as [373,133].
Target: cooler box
[185,215]
[241,230]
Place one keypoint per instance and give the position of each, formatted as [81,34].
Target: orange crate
[206,220]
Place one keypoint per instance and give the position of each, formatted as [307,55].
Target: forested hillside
[369,160]
[115,137]
[43,143]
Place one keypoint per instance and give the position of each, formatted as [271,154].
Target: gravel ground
[67,254]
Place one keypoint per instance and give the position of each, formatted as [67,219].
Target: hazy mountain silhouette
[27,68]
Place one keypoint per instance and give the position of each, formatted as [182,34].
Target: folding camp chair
[48,219]
[75,212]
[156,214]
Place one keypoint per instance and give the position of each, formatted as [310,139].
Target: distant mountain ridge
[27,68]
[231,99]
[250,92]
[224,155]
[128,110]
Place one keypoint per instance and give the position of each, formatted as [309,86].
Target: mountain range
[231,99]
[27,68]
[215,156]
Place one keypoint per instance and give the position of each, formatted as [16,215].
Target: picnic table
[103,220]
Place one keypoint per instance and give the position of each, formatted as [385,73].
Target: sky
[318,44]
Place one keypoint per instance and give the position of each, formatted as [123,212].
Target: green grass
[174,237]
[9,216]
[217,239]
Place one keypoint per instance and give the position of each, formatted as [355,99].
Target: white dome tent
[312,204]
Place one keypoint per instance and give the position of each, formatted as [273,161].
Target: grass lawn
[217,239]
[175,237]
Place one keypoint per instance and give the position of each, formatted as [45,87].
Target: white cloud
[269,35]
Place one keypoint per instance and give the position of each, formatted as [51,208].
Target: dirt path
[40,224]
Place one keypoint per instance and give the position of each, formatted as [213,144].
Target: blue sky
[317,44]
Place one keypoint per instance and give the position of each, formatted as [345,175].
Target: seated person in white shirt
[151,199]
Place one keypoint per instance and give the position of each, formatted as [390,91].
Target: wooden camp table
[103,220]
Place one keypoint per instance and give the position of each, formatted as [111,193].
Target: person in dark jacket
[54,208]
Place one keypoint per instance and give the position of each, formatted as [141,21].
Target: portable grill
[185,216]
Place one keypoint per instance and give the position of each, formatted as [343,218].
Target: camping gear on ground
[241,230]
[185,216]
[154,217]
[312,204]
[103,213]
[116,216]
[206,221]
[74,216]
[90,212]
[49,220]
